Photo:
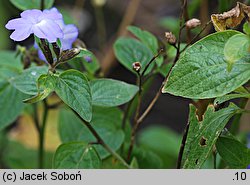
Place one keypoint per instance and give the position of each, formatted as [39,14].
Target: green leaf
[147,159]
[228,97]
[11,104]
[9,60]
[111,93]
[18,156]
[76,155]
[91,66]
[45,85]
[246,28]
[129,50]
[233,152]
[31,4]
[202,135]
[73,88]
[155,138]
[106,121]
[236,48]
[27,81]
[202,71]
[148,39]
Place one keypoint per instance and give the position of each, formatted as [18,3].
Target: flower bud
[69,54]
[137,66]
[193,23]
[171,39]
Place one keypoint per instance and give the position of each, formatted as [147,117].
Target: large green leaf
[106,121]
[129,50]
[76,155]
[233,152]
[11,104]
[202,135]
[9,60]
[73,88]
[162,141]
[27,81]
[31,4]
[111,93]
[202,71]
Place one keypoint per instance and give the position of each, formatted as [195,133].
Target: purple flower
[43,24]
[70,33]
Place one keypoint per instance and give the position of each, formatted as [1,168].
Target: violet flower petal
[17,23]
[53,13]
[70,34]
[48,29]
[32,15]
[21,34]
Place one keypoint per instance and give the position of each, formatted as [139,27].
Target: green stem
[41,137]
[101,141]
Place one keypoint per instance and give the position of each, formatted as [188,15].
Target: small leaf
[236,48]
[228,97]
[129,50]
[76,155]
[27,81]
[45,86]
[34,4]
[246,28]
[233,152]
[89,61]
[202,135]
[106,121]
[111,93]
[73,88]
[202,70]
[148,39]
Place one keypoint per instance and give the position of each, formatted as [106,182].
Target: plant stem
[41,136]
[136,124]
[42,4]
[196,37]
[101,141]
[183,142]
[214,157]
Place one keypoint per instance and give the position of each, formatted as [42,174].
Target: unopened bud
[137,66]
[79,44]
[171,39]
[69,54]
[193,23]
